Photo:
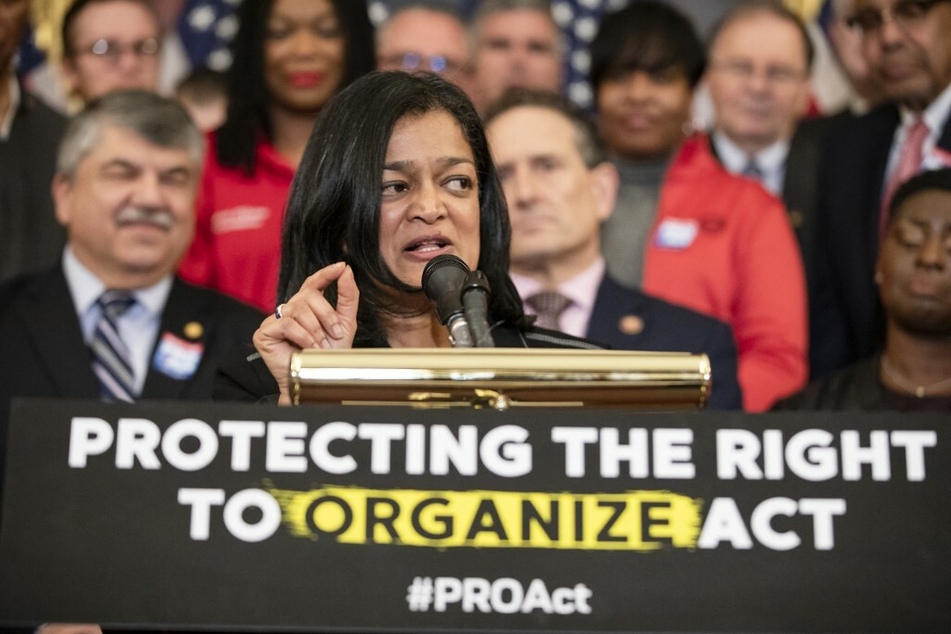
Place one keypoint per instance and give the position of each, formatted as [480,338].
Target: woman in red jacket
[290,58]
[684,228]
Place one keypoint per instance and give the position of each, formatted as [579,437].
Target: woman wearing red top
[684,228]
[290,57]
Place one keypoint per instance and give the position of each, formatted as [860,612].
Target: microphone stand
[443,279]
[475,305]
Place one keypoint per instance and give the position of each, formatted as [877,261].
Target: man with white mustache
[127,173]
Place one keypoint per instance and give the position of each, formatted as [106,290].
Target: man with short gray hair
[112,321]
[516,44]
[110,45]
[425,35]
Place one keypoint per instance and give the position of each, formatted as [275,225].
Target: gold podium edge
[501,378]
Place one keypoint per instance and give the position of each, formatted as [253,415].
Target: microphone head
[443,278]
[443,273]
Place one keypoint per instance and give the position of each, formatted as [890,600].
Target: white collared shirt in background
[935,117]
[771,161]
[582,290]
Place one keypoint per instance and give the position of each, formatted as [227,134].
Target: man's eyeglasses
[907,14]
[414,61]
[111,52]
[745,71]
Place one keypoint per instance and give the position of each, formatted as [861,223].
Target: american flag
[206,28]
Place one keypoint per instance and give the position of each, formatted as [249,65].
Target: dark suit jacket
[857,388]
[801,181]
[42,352]
[667,328]
[244,377]
[846,319]
[31,239]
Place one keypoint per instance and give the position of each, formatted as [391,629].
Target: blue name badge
[676,234]
[176,357]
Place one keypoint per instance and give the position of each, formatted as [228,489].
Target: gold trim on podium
[501,378]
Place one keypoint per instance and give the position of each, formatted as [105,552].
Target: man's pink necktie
[909,163]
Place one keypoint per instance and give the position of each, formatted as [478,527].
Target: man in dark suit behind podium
[908,48]
[560,186]
[125,185]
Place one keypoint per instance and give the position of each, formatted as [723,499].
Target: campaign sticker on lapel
[176,357]
[676,234]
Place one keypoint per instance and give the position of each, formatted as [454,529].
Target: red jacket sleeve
[743,266]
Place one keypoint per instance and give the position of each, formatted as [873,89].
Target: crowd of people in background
[696,195]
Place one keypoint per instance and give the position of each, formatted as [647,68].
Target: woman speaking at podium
[397,171]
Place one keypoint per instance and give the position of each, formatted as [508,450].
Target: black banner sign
[219,516]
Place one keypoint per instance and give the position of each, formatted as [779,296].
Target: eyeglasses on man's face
[414,61]
[907,14]
[744,70]
[111,51]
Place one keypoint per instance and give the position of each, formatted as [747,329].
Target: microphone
[442,282]
[475,305]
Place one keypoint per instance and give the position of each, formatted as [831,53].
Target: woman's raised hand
[308,320]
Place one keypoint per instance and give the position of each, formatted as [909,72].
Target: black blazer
[42,352]
[846,321]
[666,328]
[854,388]
[243,375]
[857,388]
[801,183]
[31,239]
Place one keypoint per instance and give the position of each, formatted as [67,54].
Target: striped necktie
[111,360]
[548,306]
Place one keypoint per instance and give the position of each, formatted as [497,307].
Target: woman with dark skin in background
[684,228]
[290,58]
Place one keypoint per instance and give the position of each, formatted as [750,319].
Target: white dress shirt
[935,116]
[771,161]
[582,290]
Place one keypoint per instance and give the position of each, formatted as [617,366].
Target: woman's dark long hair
[333,213]
[248,96]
